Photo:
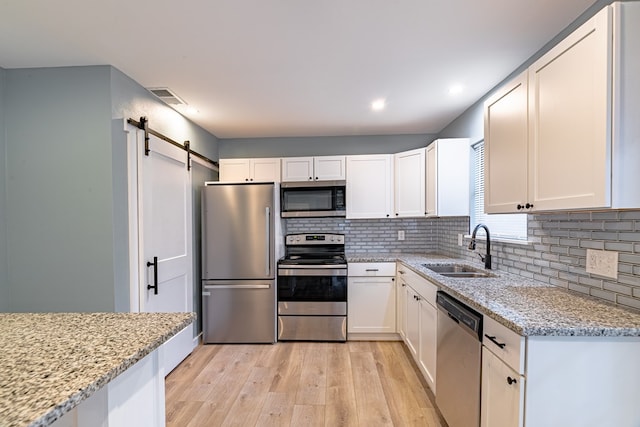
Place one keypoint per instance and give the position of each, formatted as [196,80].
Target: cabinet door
[265,170]
[570,120]
[409,171]
[401,306]
[506,148]
[329,168]
[371,305]
[235,170]
[365,173]
[431,172]
[502,393]
[428,341]
[413,322]
[297,169]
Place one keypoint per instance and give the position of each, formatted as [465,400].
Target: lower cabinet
[502,393]
[417,305]
[568,381]
[371,301]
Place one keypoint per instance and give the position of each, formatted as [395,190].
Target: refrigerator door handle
[267,215]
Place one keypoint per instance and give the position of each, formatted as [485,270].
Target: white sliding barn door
[164,239]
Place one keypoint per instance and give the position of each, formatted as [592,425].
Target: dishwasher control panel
[459,312]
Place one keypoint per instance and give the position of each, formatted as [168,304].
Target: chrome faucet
[487,258]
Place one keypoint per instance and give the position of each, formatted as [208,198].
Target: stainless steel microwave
[313,199]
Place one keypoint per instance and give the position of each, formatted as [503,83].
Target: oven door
[312,284]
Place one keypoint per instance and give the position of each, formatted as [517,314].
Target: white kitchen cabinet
[447,177]
[323,168]
[547,369]
[401,304]
[563,134]
[506,148]
[250,170]
[420,321]
[428,340]
[569,120]
[371,301]
[364,174]
[409,183]
[502,393]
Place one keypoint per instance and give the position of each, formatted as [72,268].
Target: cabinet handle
[387,215]
[310,178]
[404,284]
[519,206]
[246,179]
[316,178]
[493,340]
[372,269]
[396,213]
[154,264]
[528,205]
[511,380]
[401,271]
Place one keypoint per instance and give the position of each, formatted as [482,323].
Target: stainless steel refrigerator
[239,262]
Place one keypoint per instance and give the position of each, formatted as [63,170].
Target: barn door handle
[155,275]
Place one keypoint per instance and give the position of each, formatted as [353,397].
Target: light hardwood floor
[299,384]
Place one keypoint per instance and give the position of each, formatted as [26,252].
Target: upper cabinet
[447,177]
[250,170]
[570,121]
[506,148]
[562,135]
[324,168]
[364,173]
[409,183]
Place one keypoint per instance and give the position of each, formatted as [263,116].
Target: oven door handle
[321,271]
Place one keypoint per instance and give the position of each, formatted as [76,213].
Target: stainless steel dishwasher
[458,362]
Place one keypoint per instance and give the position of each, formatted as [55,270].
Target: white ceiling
[259,68]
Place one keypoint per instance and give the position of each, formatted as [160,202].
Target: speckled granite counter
[523,305]
[50,362]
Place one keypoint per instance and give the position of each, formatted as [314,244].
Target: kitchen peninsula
[83,367]
[550,356]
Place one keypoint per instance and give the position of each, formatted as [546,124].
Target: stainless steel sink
[458,270]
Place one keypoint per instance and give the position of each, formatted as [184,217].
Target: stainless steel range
[312,288]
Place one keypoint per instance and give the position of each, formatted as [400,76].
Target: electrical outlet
[400,234]
[459,239]
[602,263]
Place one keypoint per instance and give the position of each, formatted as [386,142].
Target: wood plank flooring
[299,384]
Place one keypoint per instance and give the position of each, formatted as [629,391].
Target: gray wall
[59,189]
[66,189]
[4,279]
[321,146]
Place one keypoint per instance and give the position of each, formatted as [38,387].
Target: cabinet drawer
[422,286]
[364,269]
[504,343]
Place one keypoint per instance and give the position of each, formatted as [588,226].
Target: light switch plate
[602,263]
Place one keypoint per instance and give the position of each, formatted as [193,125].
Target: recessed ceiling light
[378,104]
[455,89]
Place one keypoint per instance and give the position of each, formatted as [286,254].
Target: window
[502,226]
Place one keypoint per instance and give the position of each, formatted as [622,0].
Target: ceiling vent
[166,95]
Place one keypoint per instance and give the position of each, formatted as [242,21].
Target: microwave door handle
[267,216]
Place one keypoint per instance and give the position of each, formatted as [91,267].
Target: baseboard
[367,336]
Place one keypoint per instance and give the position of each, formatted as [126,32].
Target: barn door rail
[143,124]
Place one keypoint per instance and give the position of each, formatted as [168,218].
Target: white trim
[134,247]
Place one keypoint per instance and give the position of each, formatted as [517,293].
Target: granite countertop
[525,306]
[50,362]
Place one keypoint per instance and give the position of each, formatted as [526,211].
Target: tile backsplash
[555,254]
[373,235]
